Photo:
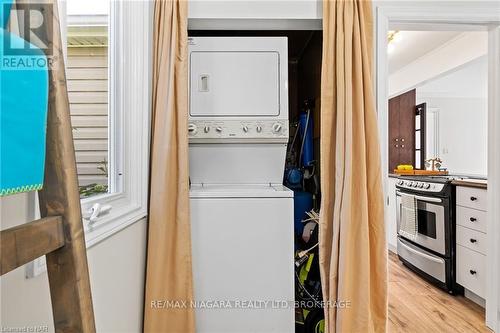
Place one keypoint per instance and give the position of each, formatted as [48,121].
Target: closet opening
[301,165]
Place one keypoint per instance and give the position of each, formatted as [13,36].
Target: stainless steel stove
[431,253]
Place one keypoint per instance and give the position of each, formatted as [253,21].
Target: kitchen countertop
[477,183]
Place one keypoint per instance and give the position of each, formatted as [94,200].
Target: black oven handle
[422,198]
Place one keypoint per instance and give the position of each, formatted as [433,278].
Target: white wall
[255,14]
[463,136]
[116,267]
[461,98]
[252,9]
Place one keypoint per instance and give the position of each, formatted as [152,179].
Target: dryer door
[234,83]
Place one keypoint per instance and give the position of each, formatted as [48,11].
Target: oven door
[431,222]
[425,261]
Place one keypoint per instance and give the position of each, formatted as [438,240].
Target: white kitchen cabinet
[471,197]
[390,214]
[472,218]
[471,239]
[471,270]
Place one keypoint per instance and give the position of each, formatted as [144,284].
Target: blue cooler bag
[23,112]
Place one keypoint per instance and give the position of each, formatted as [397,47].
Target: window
[88,77]
[109,90]
[108,51]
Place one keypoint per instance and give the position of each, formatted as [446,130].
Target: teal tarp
[23,113]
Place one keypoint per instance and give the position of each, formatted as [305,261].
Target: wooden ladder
[59,234]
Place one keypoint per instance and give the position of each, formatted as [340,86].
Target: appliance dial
[277,127]
[218,129]
[245,128]
[420,185]
[259,128]
[206,129]
[427,186]
[400,182]
[415,184]
[192,129]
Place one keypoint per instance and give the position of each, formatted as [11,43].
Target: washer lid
[239,191]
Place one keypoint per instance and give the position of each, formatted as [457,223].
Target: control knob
[277,127]
[415,184]
[206,129]
[218,129]
[258,128]
[427,186]
[420,185]
[192,129]
[245,128]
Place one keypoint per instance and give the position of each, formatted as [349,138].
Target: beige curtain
[353,256]
[169,276]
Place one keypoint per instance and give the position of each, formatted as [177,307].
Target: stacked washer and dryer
[241,214]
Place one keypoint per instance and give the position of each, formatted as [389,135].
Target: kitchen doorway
[482,16]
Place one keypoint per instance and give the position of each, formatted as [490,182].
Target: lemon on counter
[405,167]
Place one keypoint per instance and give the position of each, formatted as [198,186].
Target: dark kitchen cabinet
[402,129]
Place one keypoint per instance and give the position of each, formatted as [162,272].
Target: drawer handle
[473,219]
[473,198]
[472,272]
[472,240]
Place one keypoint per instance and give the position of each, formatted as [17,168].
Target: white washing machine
[242,247]
[241,215]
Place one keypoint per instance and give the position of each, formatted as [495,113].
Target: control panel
[421,186]
[238,129]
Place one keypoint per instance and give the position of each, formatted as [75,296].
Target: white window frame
[129,113]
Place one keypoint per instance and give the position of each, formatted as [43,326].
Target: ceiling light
[397,37]
[392,38]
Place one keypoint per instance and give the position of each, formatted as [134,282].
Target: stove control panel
[420,186]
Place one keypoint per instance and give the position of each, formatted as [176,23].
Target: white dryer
[241,215]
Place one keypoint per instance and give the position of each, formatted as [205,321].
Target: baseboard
[475,298]
[392,248]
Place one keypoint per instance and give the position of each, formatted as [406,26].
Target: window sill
[107,227]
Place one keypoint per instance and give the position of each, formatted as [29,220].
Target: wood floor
[417,306]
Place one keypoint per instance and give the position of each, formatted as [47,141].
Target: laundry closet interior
[254,124]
